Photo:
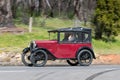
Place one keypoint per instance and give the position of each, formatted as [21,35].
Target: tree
[83,9]
[6,14]
[23,9]
[107,18]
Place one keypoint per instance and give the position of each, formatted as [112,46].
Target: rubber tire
[72,64]
[24,61]
[33,60]
[80,53]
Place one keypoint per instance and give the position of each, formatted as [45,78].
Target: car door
[65,48]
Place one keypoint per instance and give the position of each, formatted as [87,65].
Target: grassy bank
[101,47]
[16,42]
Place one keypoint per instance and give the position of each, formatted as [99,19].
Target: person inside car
[71,37]
[66,35]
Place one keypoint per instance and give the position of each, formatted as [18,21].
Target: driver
[66,37]
[71,37]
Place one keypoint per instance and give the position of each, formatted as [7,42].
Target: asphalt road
[61,72]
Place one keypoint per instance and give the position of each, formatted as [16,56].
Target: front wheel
[26,57]
[39,58]
[72,62]
[85,57]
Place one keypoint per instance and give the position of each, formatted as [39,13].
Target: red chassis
[62,50]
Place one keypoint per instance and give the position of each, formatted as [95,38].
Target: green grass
[101,47]
[16,42]
[10,41]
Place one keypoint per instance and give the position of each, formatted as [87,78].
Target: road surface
[60,72]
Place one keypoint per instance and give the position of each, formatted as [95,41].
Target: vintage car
[70,44]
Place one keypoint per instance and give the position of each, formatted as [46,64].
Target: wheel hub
[37,57]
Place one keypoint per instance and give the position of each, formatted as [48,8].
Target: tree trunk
[6,19]
[43,7]
[98,35]
[98,32]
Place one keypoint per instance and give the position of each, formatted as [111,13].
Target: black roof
[73,29]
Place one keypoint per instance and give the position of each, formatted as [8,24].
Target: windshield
[53,35]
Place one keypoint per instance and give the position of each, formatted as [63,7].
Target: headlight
[32,45]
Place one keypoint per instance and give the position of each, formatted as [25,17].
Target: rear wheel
[26,57]
[39,58]
[85,57]
[72,62]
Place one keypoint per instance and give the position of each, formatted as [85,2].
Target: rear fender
[91,50]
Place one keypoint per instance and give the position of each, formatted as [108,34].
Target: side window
[62,34]
[68,37]
[83,37]
[86,37]
[79,37]
[53,36]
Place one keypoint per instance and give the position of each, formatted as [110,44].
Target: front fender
[35,49]
[25,50]
[50,55]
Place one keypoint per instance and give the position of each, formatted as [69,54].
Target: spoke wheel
[39,58]
[26,58]
[72,62]
[85,57]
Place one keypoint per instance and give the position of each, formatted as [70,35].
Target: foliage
[107,18]
[82,9]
